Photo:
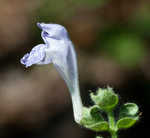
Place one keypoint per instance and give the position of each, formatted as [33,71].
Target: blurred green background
[112,41]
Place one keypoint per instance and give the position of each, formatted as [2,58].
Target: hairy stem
[112,124]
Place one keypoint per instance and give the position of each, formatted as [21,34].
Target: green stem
[114,135]
[112,124]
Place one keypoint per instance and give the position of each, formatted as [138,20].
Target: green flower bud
[106,99]
[128,109]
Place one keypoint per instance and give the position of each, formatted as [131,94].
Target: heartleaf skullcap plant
[58,49]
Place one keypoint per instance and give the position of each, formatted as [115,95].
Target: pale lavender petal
[36,56]
[71,64]
[59,50]
[54,31]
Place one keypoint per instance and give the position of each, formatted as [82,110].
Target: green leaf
[128,115]
[101,126]
[95,112]
[106,99]
[91,116]
[128,109]
[126,122]
[93,120]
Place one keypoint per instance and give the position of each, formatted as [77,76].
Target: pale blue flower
[58,49]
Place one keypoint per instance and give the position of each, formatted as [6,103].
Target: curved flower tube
[58,49]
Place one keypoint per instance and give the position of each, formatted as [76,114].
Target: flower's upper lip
[39,25]
[42,26]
